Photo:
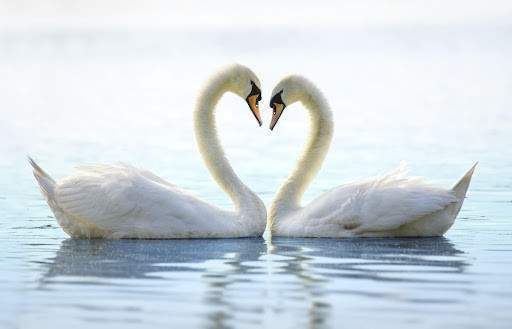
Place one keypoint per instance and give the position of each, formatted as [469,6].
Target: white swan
[390,206]
[120,201]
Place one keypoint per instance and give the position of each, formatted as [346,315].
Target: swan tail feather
[462,185]
[460,189]
[46,182]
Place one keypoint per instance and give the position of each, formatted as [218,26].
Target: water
[438,97]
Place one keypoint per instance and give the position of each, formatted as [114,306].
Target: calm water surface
[439,99]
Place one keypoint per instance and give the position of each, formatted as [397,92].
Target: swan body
[121,201]
[394,205]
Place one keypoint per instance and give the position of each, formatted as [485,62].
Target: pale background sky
[20,14]
[103,81]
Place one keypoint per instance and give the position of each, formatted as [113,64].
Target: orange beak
[253,105]
[278,110]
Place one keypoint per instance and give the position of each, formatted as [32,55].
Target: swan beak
[253,105]
[278,110]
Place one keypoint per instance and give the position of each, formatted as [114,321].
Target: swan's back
[118,201]
[389,205]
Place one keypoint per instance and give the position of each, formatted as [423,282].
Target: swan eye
[255,91]
[277,99]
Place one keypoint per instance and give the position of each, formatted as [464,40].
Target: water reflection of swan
[218,263]
[432,254]
[138,259]
[319,265]
[229,281]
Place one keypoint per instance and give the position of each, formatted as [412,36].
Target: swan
[121,201]
[394,205]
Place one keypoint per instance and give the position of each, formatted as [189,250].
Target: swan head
[289,90]
[244,83]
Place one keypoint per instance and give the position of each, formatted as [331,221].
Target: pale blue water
[436,97]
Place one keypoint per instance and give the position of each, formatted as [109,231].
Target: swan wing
[382,203]
[106,194]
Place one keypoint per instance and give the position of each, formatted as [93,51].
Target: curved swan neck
[211,149]
[290,194]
